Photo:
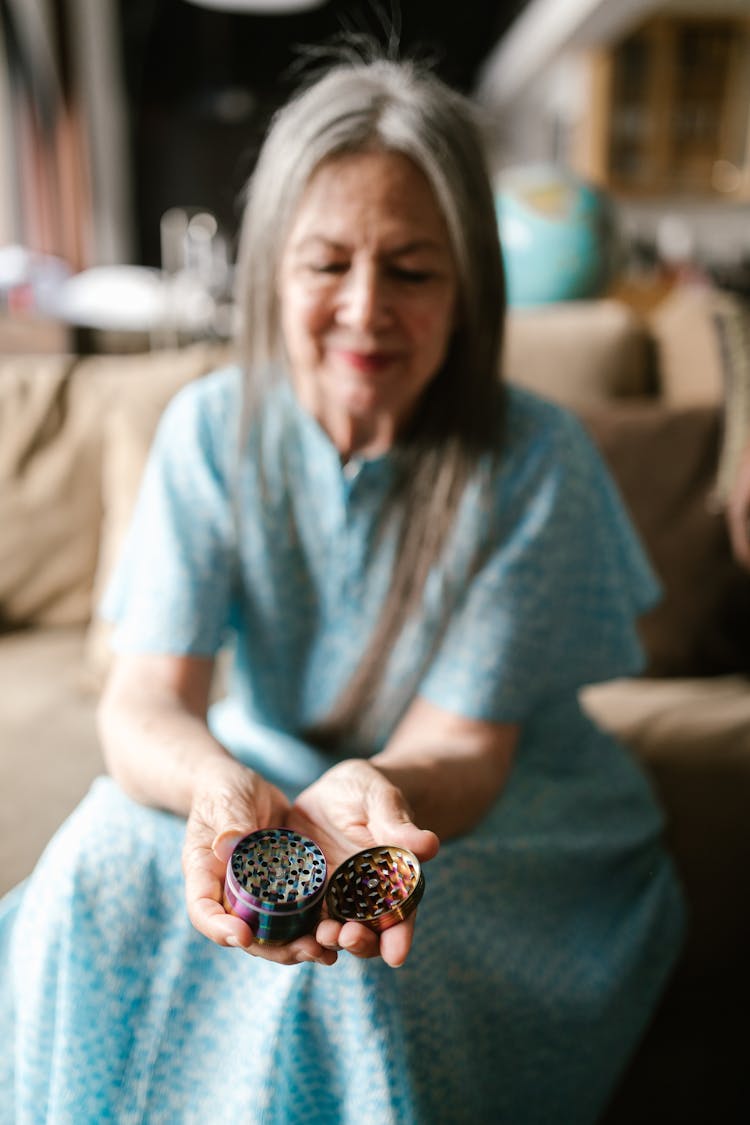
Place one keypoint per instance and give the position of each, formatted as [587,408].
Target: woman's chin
[360,398]
[362,405]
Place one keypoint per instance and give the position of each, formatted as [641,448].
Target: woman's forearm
[153,730]
[157,752]
[446,793]
[450,769]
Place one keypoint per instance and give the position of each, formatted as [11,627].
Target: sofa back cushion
[580,353]
[50,450]
[54,420]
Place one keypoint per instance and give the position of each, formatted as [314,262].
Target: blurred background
[128,128]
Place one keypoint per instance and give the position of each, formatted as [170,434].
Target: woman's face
[368,292]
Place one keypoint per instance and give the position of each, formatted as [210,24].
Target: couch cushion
[664,461]
[693,735]
[579,353]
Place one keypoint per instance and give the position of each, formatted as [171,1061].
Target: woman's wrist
[221,776]
[199,765]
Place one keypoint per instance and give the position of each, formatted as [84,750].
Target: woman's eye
[401,273]
[328,267]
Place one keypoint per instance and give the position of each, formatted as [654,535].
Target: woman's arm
[157,745]
[439,771]
[450,768]
[152,725]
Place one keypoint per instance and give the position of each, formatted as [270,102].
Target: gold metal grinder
[378,887]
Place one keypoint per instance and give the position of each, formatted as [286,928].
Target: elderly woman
[416,569]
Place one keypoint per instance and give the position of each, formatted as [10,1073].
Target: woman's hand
[449,769]
[229,802]
[158,747]
[738,512]
[351,807]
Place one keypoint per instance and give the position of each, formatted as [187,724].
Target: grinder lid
[278,870]
[379,886]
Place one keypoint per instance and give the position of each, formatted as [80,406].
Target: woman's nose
[363,299]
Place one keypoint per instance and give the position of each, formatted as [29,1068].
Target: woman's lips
[369,363]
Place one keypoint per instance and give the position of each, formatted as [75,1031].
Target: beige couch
[73,436]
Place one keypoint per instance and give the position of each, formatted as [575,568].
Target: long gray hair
[396,107]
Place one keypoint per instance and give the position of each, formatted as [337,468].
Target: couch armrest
[693,737]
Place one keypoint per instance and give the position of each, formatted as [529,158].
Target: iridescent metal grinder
[378,887]
[275,882]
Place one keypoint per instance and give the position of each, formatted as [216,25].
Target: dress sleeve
[553,603]
[170,592]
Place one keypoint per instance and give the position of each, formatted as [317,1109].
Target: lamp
[260,7]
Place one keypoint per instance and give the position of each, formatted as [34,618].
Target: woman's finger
[359,940]
[204,893]
[393,945]
[204,886]
[297,952]
[328,932]
[396,942]
[351,937]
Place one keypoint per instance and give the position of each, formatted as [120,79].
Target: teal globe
[557,235]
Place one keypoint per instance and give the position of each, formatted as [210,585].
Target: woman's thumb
[227,840]
[391,819]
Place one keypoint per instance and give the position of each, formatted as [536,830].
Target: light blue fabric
[544,936]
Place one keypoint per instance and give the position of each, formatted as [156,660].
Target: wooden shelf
[668,111]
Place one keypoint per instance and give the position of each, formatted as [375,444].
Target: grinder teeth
[378,886]
[277,865]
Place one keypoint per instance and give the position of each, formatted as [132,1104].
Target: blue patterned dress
[545,935]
